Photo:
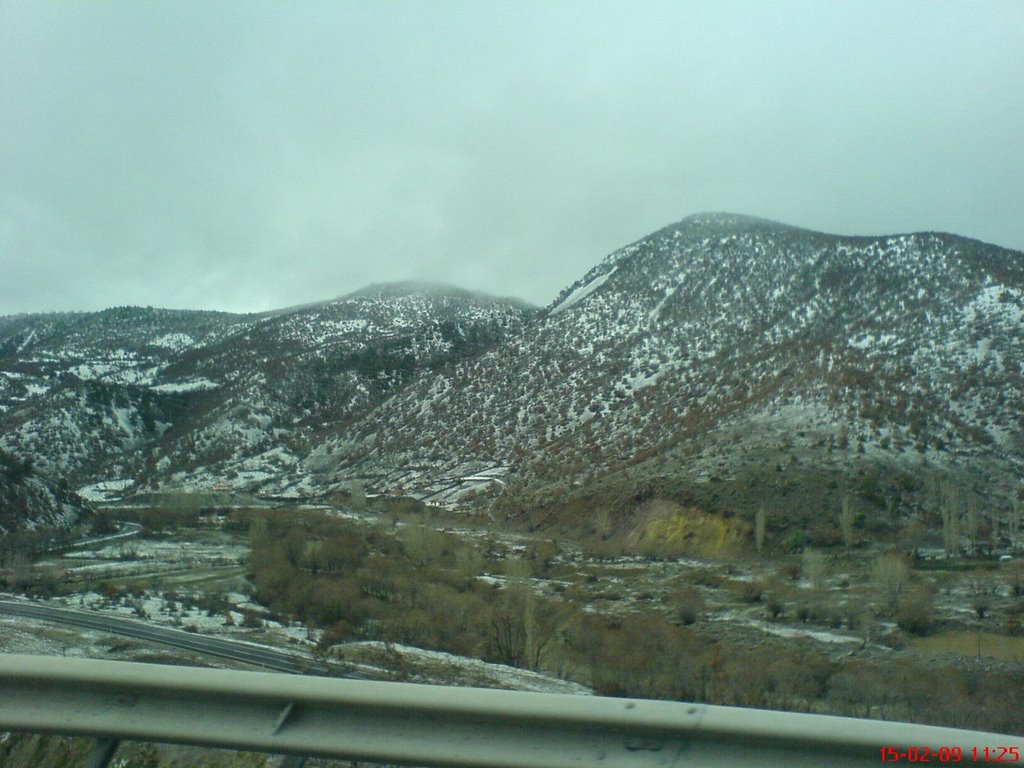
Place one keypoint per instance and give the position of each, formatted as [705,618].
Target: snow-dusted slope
[723,345]
[160,398]
[83,394]
[723,359]
[27,499]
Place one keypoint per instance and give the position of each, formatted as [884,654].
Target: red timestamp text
[994,754]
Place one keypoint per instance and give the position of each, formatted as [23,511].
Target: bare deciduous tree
[1016,509]
[950,505]
[357,495]
[814,567]
[846,519]
[973,521]
[892,576]
[523,626]
[1015,579]
[760,522]
[981,591]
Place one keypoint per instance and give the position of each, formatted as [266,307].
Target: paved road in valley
[126,531]
[235,650]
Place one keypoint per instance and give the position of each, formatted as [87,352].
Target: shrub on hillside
[915,611]
[637,655]
[689,604]
[751,591]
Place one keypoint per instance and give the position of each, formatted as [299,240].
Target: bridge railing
[402,723]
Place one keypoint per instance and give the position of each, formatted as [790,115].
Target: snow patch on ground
[105,490]
[124,421]
[40,638]
[27,341]
[822,636]
[582,292]
[89,371]
[193,385]
[429,663]
[654,313]
[998,301]
[868,340]
[173,341]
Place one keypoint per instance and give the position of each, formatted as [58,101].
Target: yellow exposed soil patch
[665,528]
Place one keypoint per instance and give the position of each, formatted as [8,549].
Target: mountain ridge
[716,314]
[163,397]
[715,353]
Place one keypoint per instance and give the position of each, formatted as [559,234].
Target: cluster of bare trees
[973,525]
[416,585]
[17,552]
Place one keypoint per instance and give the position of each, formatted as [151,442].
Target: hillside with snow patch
[156,399]
[726,361]
[731,360]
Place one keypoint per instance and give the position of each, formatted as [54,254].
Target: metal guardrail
[434,725]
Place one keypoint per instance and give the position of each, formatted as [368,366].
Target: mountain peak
[428,288]
[711,223]
[726,218]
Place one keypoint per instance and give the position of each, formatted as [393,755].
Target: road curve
[127,530]
[235,650]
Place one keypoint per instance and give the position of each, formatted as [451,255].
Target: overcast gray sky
[253,155]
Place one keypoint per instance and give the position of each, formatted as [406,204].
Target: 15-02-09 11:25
[995,754]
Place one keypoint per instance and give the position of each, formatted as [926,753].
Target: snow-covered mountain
[726,360]
[732,360]
[138,398]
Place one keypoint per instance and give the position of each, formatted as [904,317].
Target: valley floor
[424,595]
